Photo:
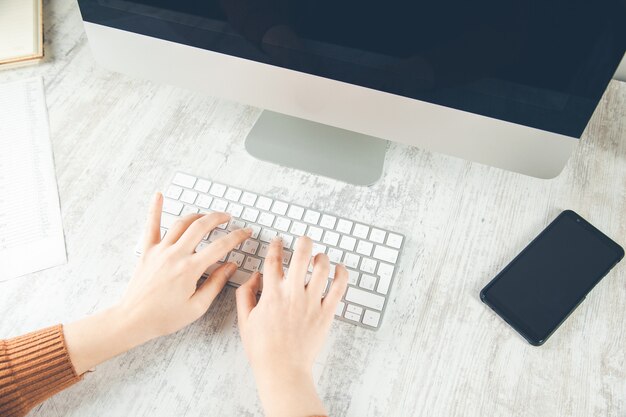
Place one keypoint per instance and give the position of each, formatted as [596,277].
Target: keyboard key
[282,224]
[203,186]
[235,210]
[295,212]
[364,248]
[367,281]
[371,318]
[351,316]
[328,221]
[250,246]
[287,240]
[383,285]
[297,228]
[173,192]
[263,250]
[216,234]
[331,271]
[286,257]
[315,233]
[364,298]
[377,235]
[188,210]
[383,253]
[250,214]
[335,255]
[394,240]
[232,194]
[201,246]
[237,258]
[354,310]
[331,238]
[353,276]
[184,180]
[188,196]
[248,198]
[256,229]
[172,206]
[280,208]
[263,203]
[235,224]
[266,219]
[267,235]
[344,226]
[339,310]
[167,220]
[385,272]
[361,231]
[311,216]
[317,248]
[219,205]
[368,265]
[252,264]
[351,260]
[347,243]
[217,190]
[204,200]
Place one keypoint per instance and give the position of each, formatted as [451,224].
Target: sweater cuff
[33,367]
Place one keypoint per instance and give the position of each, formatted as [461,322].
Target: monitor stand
[317,148]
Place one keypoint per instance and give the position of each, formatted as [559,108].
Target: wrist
[130,326]
[99,337]
[288,391]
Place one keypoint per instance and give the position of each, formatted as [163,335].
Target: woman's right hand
[284,332]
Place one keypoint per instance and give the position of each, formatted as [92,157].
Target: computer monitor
[508,83]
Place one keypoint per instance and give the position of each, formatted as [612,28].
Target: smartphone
[541,287]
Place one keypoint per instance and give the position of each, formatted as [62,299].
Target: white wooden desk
[440,351]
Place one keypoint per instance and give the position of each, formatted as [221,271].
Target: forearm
[33,367]
[100,337]
[289,394]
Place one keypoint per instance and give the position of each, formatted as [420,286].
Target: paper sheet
[31,232]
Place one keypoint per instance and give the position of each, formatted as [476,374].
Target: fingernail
[278,238]
[248,230]
[230,269]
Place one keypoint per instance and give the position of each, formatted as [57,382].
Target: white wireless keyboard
[369,253]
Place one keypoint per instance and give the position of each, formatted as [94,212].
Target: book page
[31,232]
[19,28]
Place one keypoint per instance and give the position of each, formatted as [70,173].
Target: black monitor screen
[539,63]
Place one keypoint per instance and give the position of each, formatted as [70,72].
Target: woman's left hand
[163,295]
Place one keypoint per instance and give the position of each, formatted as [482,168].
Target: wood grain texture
[440,352]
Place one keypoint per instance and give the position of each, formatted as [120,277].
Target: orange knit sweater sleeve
[33,368]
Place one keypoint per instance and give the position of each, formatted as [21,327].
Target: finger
[179,227]
[209,289]
[196,231]
[219,248]
[152,234]
[273,264]
[246,298]
[299,264]
[319,277]
[336,291]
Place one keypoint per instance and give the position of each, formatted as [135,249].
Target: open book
[21,32]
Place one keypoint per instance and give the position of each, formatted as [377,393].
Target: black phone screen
[538,290]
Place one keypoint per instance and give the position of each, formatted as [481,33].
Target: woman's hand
[284,332]
[162,296]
